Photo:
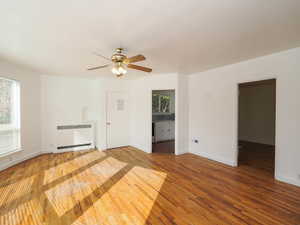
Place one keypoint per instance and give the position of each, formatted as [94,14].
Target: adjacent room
[257,118]
[149,113]
[163,121]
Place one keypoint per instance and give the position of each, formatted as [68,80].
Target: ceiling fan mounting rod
[118,56]
[119,50]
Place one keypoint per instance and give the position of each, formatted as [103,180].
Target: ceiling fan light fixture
[119,69]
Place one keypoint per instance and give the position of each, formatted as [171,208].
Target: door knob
[108,123]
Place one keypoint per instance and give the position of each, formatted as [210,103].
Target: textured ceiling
[58,36]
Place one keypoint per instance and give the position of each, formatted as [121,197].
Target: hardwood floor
[167,147]
[126,186]
[258,156]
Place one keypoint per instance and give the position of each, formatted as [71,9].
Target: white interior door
[117,119]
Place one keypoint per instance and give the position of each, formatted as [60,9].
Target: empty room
[256,129]
[149,113]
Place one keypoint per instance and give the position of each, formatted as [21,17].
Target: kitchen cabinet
[164,130]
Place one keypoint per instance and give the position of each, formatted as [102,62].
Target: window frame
[15,123]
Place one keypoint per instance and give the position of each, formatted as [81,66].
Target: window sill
[4,154]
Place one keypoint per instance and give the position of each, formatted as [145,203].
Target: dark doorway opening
[163,121]
[256,125]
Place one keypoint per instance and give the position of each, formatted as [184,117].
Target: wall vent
[75,137]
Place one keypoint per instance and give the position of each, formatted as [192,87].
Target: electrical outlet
[195,141]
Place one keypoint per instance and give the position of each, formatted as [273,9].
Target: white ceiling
[59,36]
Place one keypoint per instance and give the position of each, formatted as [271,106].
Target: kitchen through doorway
[163,121]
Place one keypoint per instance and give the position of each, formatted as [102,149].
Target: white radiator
[75,137]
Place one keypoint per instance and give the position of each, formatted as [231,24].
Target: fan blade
[133,59]
[98,67]
[136,67]
[102,56]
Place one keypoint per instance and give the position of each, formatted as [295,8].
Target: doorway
[256,125]
[117,119]
[163,121]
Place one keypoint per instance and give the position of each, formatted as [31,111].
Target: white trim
[202,154]
[181,153]
[216,158]
[4,154]
[288,180]
[141,148]
[236,121]
[6,165]
[47,152]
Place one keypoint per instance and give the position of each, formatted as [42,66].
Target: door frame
[255,82]
[107,95]
[175,121]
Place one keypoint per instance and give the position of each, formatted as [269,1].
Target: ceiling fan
[121,62]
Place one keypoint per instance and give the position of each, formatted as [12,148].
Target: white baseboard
[142,148]
[281,178]
[46,152]
[181,153]
[288,180]
[6,165]
[216,158]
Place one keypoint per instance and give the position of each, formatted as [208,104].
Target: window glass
[165,103]
[160,103]
[9,116]
[6,101]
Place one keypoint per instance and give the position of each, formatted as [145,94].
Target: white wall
[213,110]
[48,101]
[70,100]
[65,101]
[30,112]
[257,113]
[183,114]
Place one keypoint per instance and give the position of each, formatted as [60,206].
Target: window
[9,116]
[160,103]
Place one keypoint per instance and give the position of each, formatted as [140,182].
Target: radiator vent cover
[75,137]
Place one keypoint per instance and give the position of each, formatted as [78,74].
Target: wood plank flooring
[126,186]
[164,147]
[257,155]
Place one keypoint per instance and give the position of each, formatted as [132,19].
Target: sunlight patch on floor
[72,165]
[67,194]
[127,195]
